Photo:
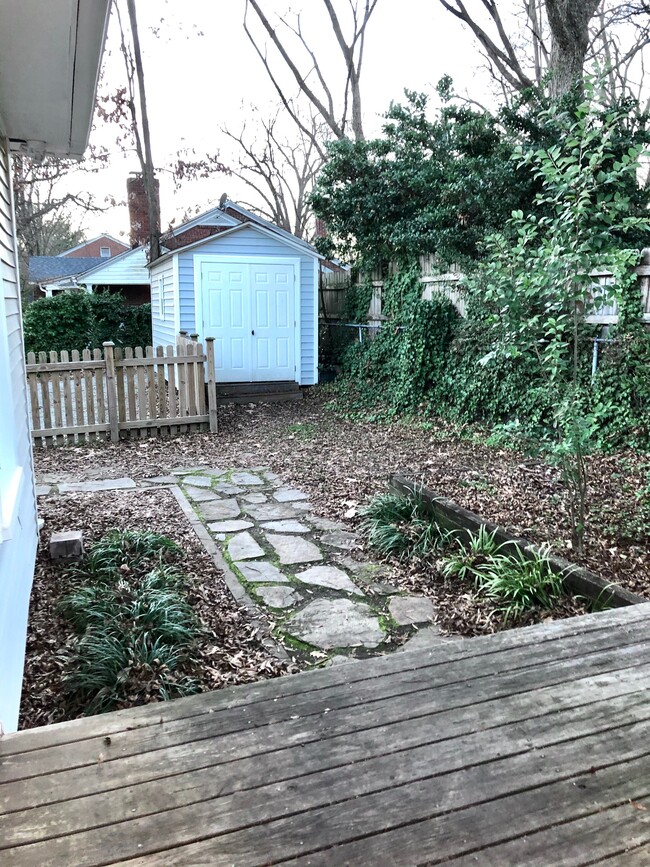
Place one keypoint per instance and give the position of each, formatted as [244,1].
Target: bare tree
[342,111]
[137,108]
[556,38]
[281,172]
[44,201]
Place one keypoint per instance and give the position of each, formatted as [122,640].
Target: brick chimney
[138,210]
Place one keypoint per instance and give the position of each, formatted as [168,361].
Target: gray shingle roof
[44,268]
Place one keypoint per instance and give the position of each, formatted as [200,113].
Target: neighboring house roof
[110,238]
[49,268]
[286,238]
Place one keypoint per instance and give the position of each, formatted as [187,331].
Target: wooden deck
[527,748]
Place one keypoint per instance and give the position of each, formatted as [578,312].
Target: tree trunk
[148,174]
[569,23]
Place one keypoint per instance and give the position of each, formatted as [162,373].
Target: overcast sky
[202,73]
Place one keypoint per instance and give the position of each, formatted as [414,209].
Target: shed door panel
[273,322]
[226,317]
[249,309]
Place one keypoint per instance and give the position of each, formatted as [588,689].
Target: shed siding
[164,327]
[17,554]
[248,242]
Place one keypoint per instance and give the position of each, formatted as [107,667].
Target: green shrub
[136,631]
[62,322]
[503,573]
[401,527]
[79,321]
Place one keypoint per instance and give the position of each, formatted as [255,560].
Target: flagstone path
[325,601]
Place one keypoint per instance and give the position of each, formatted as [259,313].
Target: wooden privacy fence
[121,392]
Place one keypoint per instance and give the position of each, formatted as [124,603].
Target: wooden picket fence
[114,392]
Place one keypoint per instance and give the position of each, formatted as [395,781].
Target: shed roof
[285,237]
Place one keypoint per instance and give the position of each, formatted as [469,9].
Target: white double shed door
[251,308]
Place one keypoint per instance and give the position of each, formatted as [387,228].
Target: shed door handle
[253,333]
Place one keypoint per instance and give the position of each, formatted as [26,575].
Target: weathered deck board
[527,747]
[489,648]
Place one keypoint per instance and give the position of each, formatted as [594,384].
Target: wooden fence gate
[121,392]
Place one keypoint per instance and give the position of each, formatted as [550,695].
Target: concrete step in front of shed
[257,392]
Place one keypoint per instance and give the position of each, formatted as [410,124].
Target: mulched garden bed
[460,610]
[342,462]
[230,652]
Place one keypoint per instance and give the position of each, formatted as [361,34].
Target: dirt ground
[341,463]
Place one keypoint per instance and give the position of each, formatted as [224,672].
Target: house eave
[49,69]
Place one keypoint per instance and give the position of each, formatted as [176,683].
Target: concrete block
[67,545]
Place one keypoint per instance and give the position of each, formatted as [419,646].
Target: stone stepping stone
[329,576]
[230,526]
[93,487]
[324,523]
[221,510]
[255,498]
[161,480]
[245,479]
[228,489]
[42,490]
[198,481]
[426,638]
[214,471]
[370,574]
[334,623]
[270,511]
[304,506]
[258,573]
[289,495]
[364,570]
[342,539]
[201,495]
[287,526]
[294,549]
[244,547]
[278,597]
[406,610]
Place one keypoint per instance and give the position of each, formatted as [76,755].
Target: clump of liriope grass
[135,630]
[503,573]
[401,527]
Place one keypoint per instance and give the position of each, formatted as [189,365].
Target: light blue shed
[251,286]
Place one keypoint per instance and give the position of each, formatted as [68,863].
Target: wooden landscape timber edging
[121,392]
[451,516]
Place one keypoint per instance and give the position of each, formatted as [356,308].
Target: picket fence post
[212,384]
[111,391]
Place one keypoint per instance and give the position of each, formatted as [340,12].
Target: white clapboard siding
[127,269]
[18,552]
